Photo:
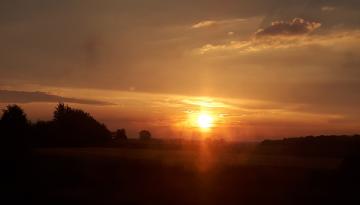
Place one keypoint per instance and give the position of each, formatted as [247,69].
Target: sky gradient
[264,68]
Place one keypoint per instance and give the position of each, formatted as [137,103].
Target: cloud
[207,103]
[281,42]
[280,35]
[327,8]
[7,96]
[204,24]
[210,23]
[295,27]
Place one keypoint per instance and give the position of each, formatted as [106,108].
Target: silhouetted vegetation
[326,146]
[14,127]
[120,134]
[69,127]
[144,135]
[14,151]
[76,127]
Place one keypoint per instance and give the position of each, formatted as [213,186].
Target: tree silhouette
[120,134]
[14,130]
[14,118]
[76,128]
[144,135]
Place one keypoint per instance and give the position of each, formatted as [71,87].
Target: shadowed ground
[181,176]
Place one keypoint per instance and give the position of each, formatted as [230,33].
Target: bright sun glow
[205,121]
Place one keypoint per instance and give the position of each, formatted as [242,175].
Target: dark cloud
[295,27]
[7,96]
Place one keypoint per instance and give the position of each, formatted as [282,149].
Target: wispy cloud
[328,8]
[280,42]
[7,96]
[204,24]
[210,23]
[206,103]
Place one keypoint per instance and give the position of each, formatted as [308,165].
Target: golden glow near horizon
[180,116]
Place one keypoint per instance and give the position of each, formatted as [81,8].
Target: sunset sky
[260,68]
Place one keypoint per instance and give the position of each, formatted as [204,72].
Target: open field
[205,175]
[192,159]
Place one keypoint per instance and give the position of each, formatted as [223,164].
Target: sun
[205,121]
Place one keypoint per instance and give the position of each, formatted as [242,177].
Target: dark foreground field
[201,175]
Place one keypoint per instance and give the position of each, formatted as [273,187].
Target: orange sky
[262,68]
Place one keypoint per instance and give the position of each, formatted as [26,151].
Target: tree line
[68,127]
[322,146]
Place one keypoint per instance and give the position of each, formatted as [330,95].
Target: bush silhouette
[144,135]
[120,134]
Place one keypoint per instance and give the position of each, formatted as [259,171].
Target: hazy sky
[264,68]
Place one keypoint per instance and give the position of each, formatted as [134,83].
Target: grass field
[192,159]
[205,175]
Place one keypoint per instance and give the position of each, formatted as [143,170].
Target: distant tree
[14,123]
[144,135]
[14,129]
[77,128]
[61,112]
[14,118]
[120,134]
